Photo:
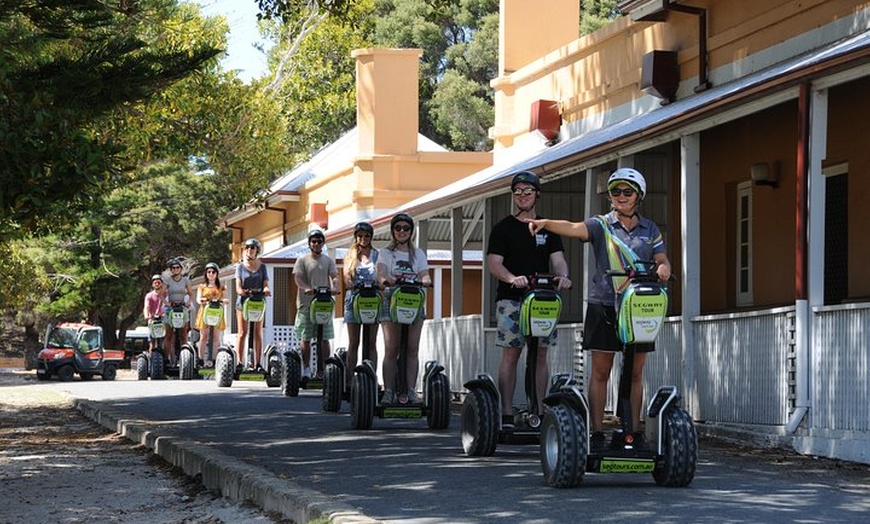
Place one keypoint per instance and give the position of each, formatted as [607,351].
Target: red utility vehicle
[72,348]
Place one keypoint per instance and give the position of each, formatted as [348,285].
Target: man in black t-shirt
[513,254]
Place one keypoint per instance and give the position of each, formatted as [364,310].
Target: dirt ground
[58,466]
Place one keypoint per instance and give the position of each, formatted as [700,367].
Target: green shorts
[307,330]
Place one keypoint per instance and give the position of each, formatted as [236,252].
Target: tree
[595,14]
[67,65]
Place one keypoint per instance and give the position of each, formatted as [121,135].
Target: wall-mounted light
[764,174]
[546,120]
[660,75]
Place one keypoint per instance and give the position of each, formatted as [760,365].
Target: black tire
[223,369]
[563,447]
[363,397]
[680,445]
[291,376]
[86,376]
[65,373]
[109,372]
[186,364]
[438,415]
[479,423]
[273,371]
[142,367]
[42,376]
[157,366]
[332,387]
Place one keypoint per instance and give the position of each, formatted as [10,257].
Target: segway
[212,314]
[183,365]
[482,426]
[672,455]
[226,367]
[406,305]
[321,312]
[149,364]
[366,305]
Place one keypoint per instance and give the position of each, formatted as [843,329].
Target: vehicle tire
[563,447]
[438,414]
[65,373]
[42,376]
[186,364]
[223,369]
[142,367]
[680,445]
[363,397]
[332,388]
[291,376]
[479,423]
[109,373]
[157,366]
[86,376]
[273,371]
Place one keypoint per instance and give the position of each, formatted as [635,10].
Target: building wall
[596,78]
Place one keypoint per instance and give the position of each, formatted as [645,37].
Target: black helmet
[363,227]
[212,265]
[316,233]
[526,177]
[402,217]
[173,262]
[255,243]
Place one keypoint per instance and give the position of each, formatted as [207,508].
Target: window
[744,244]
[836,234]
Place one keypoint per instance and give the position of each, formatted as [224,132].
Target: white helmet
[629,176]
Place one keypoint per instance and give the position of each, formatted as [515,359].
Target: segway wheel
[142,367]
[291,376]
[563,447]
[273,371]
[332,388]
[680,445]
[223,369]
[186,364]
[363,392]
[479,423]
[157,366]
[438,414]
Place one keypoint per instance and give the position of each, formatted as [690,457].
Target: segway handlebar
[646,273]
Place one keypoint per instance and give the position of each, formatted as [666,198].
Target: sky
[241,16]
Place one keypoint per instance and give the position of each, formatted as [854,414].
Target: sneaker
[306,372]
[597,442]
[389,397]
[507,422]
[412,397]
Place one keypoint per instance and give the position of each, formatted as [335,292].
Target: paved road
[402,472]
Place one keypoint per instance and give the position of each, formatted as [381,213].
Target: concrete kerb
[229,476]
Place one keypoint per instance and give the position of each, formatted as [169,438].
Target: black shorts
[599,331]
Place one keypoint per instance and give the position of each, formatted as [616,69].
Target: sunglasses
[627,191]
[315,241]
[175,267]
[402,229]
[210,271]
[525,191]
[251,247]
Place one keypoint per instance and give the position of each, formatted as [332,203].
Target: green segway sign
[539,313]
[406,303]
[366,308]
[212,314]
[641,312]
[321,310]
[253,310]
